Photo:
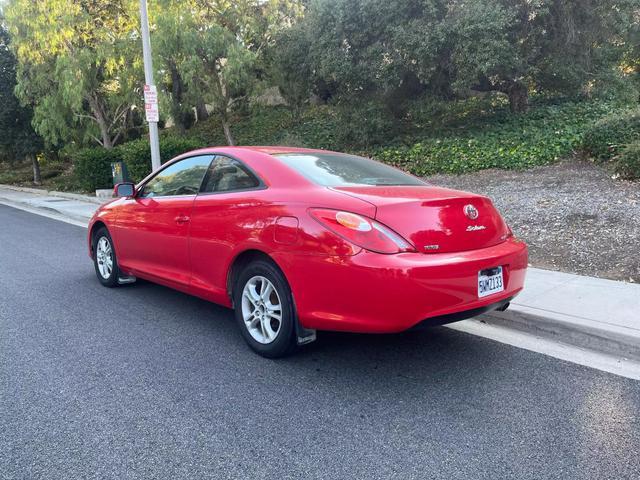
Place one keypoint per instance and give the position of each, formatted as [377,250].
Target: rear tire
[104,258]
[264,310]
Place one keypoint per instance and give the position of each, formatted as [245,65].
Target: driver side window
[181,178]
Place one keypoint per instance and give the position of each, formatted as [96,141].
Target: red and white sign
[151,103]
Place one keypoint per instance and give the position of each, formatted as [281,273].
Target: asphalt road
[145,382]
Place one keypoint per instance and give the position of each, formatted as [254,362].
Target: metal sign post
[150,91]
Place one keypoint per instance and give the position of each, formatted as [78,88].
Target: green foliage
[21,173]
[92,166]
[446,47]
[397,79]
[365,125]
[137,154]
[321,126]
[627,164]
[17,137]
[470,135]
[290,65]
[539,137]
[213,54]
[78,64]
[608,136]
[436,137]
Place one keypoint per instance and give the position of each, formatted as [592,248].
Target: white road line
[618,366]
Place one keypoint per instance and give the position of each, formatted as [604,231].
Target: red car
[298,240]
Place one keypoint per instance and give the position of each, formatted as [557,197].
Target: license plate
[490,282]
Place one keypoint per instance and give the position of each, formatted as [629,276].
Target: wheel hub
[261,309]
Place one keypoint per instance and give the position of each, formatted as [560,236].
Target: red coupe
[298,240]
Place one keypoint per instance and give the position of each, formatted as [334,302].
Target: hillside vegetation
[433,138]
[429,85]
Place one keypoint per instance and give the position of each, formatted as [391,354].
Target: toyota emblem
[471,212]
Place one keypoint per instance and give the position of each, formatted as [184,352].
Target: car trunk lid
[433,219]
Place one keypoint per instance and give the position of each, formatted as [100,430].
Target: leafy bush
[435,137]
[608,136]
[365,125]
[315,127]
[137,154]
[499,140]
[627,164]
[92,168]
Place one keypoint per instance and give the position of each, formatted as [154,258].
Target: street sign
[151,103]
[152,113]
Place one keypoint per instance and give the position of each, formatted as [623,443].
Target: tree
[169,49]
[214,48]
[290,66]
[78,62]
[553,45]
[17,137]
[396,48]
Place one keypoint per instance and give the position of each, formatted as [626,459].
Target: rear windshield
[341,170]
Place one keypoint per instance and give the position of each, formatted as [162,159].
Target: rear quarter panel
[273,221]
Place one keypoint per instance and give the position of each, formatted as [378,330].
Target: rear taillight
[362,231]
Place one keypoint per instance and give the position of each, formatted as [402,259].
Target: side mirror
[125,189]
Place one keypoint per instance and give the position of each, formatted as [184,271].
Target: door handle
[182,219]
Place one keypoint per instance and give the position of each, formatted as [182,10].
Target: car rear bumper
[376,293]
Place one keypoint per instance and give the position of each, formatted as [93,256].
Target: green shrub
[137,154]
[365,125]
[499,140]
[606,138]
[627,164]
[436,137]
[92,168]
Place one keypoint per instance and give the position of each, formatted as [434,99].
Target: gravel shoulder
[573,215]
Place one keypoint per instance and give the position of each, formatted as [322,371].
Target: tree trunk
[37,178]
[518,98]
[227,130]
[201,111]
[100,119]
[106,139]
[177,89]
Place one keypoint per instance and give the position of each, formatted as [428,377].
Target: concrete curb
[604,338]
[54,193]
[78,220]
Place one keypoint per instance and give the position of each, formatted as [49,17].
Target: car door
[226,213]
[152,228]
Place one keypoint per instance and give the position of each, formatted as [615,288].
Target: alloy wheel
[104,257]
[261,309]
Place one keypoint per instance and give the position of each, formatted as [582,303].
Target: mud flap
[303,335]
[124,279]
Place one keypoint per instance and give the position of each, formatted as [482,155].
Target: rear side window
[181,178]
[227,175]
[341,170]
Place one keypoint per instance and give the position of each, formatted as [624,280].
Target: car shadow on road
[419,355]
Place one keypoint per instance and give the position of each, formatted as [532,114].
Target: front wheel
[264,310]
[104,258]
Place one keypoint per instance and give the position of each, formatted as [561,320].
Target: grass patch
[55,175]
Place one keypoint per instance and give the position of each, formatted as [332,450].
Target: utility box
[119,172]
